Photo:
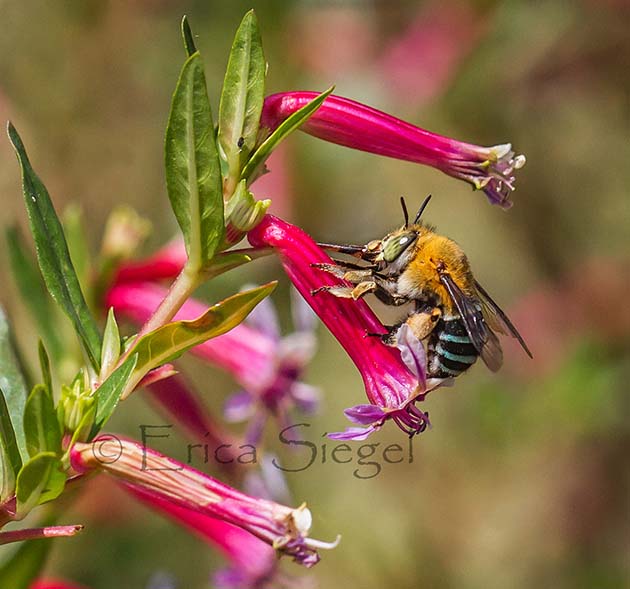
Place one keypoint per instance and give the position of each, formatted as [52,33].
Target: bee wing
[481,336]
[497,319]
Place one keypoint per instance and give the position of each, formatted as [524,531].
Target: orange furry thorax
[433,251]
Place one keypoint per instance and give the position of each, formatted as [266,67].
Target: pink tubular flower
[266,366]
[164,479]
[175,397]
[358,126]
[253,563]
[393,381]
[166,263]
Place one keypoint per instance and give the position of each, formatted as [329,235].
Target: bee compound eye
[393,247]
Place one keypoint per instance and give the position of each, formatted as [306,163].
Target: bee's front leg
[356,275]
[345,292]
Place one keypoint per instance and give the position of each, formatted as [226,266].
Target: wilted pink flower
[358,126]
[160,477]
[393,383]
[267,367]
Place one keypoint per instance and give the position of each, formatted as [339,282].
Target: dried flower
[346,122]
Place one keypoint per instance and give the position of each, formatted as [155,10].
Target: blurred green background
[524,478]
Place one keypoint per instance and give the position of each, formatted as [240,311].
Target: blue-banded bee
[452,313]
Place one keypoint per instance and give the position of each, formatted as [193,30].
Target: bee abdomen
[450,350]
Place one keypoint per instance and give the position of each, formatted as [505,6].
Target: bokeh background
[524,478]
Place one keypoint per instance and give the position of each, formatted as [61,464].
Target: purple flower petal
[364,414]
[296,350]
[357,434]
[304,318]
[306,397]
[412,352]
[238,407]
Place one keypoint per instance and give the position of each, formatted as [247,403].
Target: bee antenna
[403,204]
[422,207]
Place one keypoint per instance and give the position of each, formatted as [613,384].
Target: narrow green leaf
[172,340]
[188,37]
[32,290]
[242,96]
[39,480]
[108,394]
[41,426]
[12,387]
[10,458]
[52,254]
[73,229]
[44,363]
[193,172]
[285,128]
[111,344]
[26,563]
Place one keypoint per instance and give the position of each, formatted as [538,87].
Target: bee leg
[355,276]
[346,292]
[334,269]
[344,264]
[423,322]
[343,292]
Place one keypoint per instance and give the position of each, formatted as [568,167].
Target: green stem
[183,287]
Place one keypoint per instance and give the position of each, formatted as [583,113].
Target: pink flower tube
[166,263]
[161,478]
[251,559]
[393,383]
[352,124]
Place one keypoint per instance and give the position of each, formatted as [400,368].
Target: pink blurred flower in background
[54,584]
[266,366]
[419,63]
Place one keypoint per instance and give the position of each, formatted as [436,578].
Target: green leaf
[44,363]
[52,254]
[188,37]
[33,291]
[26,563]
[193,172]
[72,223]
[285,128]
[10,459]
[172,340]
[109,393]
[40,480]
[40,422]
[111,344]
[12,387]
[242,96]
